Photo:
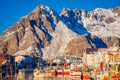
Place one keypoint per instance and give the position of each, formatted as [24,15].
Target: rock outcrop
[77,46]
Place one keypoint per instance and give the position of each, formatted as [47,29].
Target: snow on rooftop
[113,49]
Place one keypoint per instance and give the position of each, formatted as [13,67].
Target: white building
[95,56]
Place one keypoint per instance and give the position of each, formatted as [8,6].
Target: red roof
[2,58]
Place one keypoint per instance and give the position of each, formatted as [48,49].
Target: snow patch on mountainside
[61,37]
[102,23]
[29,51]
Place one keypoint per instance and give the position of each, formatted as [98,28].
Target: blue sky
[12,10]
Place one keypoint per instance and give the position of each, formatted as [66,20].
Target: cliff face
[44,32]
[112,41]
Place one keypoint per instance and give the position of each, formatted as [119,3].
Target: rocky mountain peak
[116,10]
[41,10]
[65,12]
[31,33]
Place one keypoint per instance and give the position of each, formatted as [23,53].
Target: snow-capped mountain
[45,32]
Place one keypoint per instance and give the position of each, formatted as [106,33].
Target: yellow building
[114,57]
